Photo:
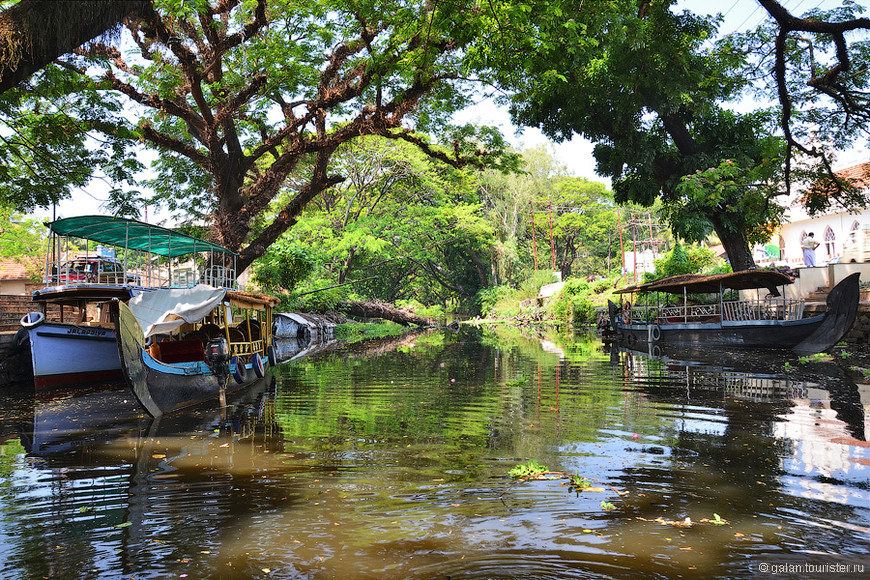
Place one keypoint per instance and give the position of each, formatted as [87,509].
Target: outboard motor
[217,355]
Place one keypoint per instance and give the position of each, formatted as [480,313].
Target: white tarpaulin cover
[161,311]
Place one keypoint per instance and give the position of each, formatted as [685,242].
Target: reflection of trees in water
[119,482]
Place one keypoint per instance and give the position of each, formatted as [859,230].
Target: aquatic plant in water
[578,482]
[530,470]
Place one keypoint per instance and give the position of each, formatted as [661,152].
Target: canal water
[393,460]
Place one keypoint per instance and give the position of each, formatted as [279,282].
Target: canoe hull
[161,387]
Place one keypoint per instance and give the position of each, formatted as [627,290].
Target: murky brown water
[392,462]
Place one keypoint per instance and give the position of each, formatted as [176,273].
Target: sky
[575,154]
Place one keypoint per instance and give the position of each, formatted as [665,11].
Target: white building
[830,229]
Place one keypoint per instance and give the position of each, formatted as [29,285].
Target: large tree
[644,83]
[239,98]
[34,33]
[400,226]
[815,67]
[635,78]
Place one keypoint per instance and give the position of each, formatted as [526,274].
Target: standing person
[809,245]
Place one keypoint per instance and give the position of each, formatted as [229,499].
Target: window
[830,238]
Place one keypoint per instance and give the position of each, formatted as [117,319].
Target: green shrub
[433,311]
[680,261]
[573,304]
[489,298]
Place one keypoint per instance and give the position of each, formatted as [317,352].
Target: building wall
[13,287]
[840,224]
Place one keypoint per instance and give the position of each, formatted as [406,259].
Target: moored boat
[184,346]
[772,321]
[71,335]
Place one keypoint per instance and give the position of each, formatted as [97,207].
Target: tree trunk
[35,32]
[736,244]
[737,247]
[384,311]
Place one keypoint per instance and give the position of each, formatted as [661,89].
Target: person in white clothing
[809,245]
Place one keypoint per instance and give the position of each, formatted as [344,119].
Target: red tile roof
[858,175]
[12,269]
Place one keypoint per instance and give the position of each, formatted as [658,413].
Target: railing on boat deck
[100,270]
[219,276]
[773,309]
[246,348]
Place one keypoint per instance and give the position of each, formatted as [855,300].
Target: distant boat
[774,322]
[71,336]
[182,347]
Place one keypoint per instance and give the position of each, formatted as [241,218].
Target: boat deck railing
[219,276]
[98,270]
[246,348]
[732,310]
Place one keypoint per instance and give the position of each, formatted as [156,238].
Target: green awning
[132,234]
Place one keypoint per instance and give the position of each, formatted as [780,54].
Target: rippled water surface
[392,460]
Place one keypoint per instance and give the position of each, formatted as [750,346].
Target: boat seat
[237,335]
[211,330]
[197,335]
[255,330]
[176,351]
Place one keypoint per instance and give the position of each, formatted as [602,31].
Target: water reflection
[390,460]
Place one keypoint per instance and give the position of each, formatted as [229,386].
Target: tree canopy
[814,66]
[650,88]
[239,98]
[244,101]
[636,80]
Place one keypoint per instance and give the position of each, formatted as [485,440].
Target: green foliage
[681,260]
[569,76]
[434,311]
[21,237]
[251,114]
[490,300]
[739,189]
[504,302]
[530,287]
[578,482]
[607,506]
[530,470]
[400,228]
[283,267]
[573,303]
[47,126]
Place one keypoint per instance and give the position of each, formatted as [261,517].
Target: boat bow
[842,305]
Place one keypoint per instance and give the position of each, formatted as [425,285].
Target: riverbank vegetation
[319,140]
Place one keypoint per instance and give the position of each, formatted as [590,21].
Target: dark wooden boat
[196,350]
[769,322]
